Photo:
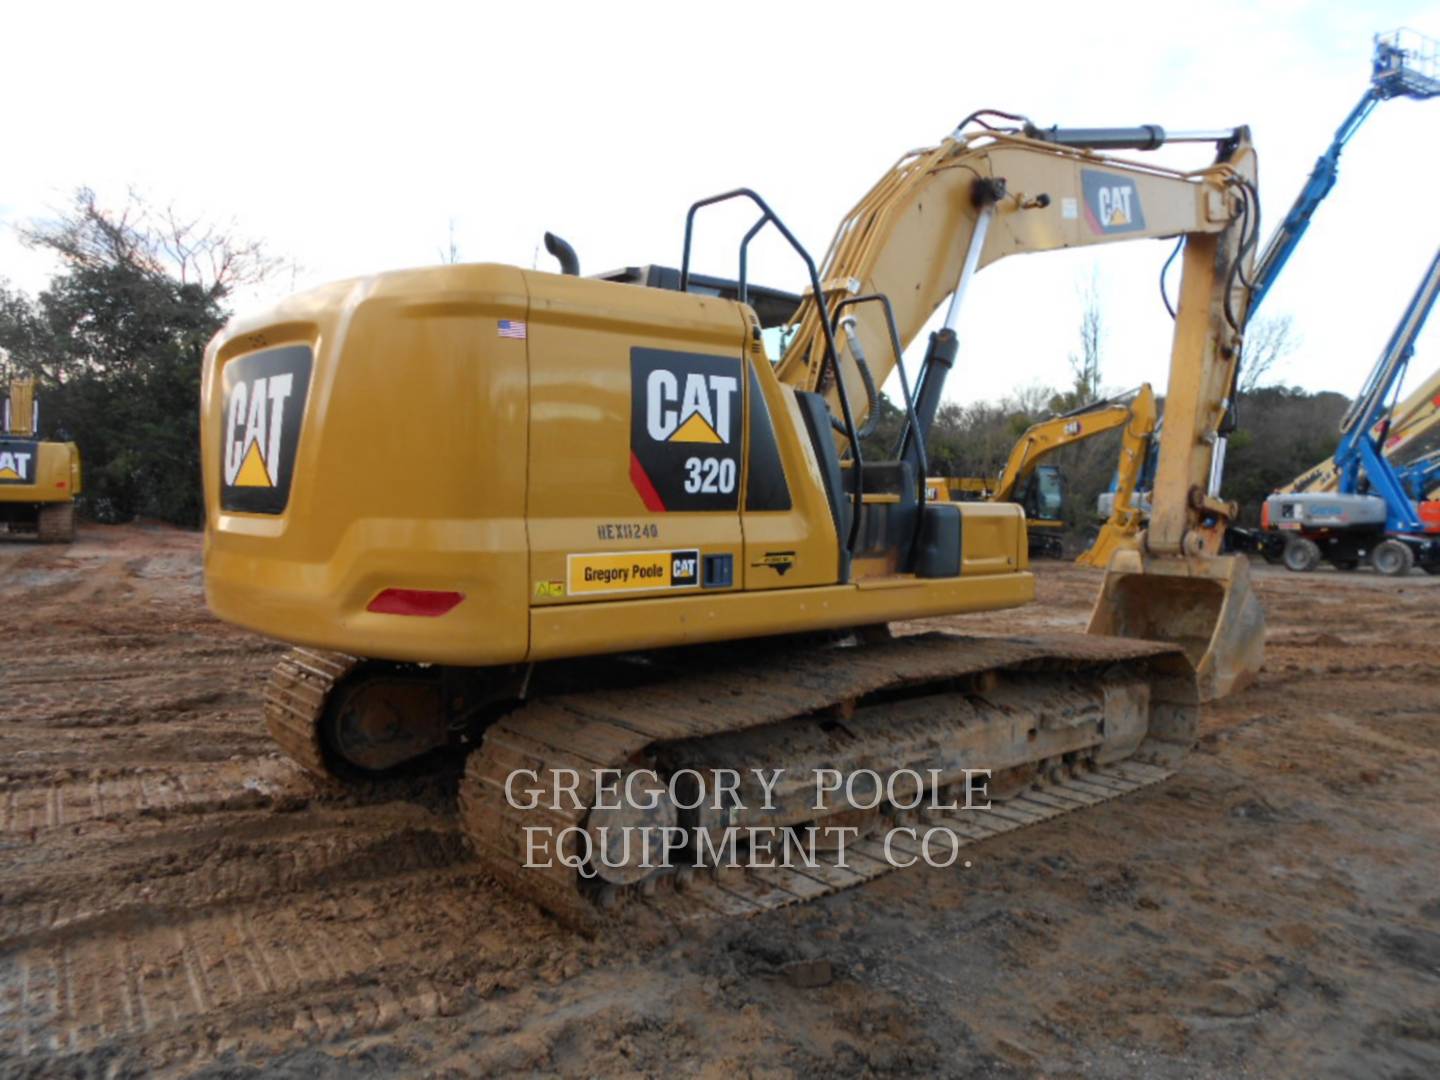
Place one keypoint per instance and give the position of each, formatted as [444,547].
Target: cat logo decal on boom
[265,396]
[685,424]
[1112,203]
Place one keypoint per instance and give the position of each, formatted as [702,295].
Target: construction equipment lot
[176,897]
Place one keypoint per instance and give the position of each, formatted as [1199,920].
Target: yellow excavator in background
[38,479]
[575,524]
[1039,489]
[1126,518]
[1019,480]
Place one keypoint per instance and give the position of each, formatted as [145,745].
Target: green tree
[115,342]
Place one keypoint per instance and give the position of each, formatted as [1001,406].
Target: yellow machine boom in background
[1126,519]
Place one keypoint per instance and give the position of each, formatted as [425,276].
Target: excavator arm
[940,214]
[1126,518]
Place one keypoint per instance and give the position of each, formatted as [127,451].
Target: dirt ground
[175,898]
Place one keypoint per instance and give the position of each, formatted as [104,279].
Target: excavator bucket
[1203,604]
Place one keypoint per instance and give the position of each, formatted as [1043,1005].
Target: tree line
[115,341]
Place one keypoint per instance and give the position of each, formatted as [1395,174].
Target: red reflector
[414,602]
[59,483]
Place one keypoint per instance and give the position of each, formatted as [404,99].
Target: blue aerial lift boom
[1372,514]
[1404,65]
[1421,476]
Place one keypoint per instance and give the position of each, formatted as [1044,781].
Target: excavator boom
[938,215]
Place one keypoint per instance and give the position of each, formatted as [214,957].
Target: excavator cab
[1043,499]
[1045,494]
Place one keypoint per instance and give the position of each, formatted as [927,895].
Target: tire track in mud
[171,893]
[271,967]
[193,909]
[171,887]
[145,794]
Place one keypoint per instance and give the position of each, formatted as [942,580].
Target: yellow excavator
[1126,517]
[1040,488]
[39,480]
[573,524]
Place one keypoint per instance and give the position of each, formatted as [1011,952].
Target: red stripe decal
[648,495]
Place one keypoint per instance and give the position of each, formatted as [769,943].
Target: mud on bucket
[1204,605]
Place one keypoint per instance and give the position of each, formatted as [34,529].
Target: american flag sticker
[512,329]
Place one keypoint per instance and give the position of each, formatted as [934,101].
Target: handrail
[832,357]
[910,418]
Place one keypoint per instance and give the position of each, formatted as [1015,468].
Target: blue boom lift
[1372,515]
[1405,64]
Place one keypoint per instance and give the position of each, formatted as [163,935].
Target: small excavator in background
[569,524]
[39,480]
[1371,516]
[1039,488]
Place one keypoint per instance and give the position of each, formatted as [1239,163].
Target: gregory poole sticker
[265,396]
[632,571]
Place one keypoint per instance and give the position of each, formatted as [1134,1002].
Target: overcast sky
[348,137]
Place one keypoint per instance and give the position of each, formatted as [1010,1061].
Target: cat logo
[1112,203]
[684,568]
[265,395]
[686,417]
[690,407]
[17,462]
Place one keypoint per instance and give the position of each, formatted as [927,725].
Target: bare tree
[158,241]
[1085,364]
[450,253]
[1267,342]
[1031,401]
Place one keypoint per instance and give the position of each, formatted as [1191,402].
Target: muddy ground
[175,898]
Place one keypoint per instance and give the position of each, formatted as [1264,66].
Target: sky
[349,137]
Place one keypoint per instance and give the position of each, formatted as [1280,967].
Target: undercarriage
[848,759]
